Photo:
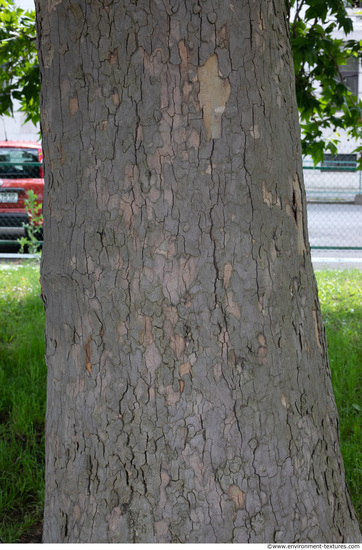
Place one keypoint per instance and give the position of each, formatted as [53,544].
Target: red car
[20,171]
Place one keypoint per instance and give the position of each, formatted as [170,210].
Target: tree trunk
[189,393]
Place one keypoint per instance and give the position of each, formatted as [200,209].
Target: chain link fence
[334,198]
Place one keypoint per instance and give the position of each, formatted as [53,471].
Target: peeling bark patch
[316,327]
[232,307]
[88,363]
[294,209]
[213,96]
[298,213]
[284,401]
[254,131]
[48,57]
[64,524]
[73,105]
[183,54]
[238,496]
[113,57]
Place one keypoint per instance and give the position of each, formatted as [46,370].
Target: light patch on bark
[217,371]
[228,268]
[213,96]
[232,307]
[273,251]
[183,54]
[177,343]
[161,529]
[268,197]
[76,512]
[147,337]
[115,99]
[185,368]
[114,519]
[179,278]
[52,4]
[73,105]
[167,248]
[193,139]
[262,350]
[153,63]
[122,330]
[238,496]
[152,358]
[224,340]
[102,126]
[65,88]
[254,131]
[172,396]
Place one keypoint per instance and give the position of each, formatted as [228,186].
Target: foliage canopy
[324,99]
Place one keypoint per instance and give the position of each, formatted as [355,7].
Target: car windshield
[19,163]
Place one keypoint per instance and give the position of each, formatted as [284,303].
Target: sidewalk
[337,259]
[322,259]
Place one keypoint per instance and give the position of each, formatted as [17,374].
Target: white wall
[26,4]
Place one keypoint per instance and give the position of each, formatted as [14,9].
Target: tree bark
[189,393]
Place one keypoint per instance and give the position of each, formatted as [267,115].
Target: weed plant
[32,229]
[23,383]
[22,400]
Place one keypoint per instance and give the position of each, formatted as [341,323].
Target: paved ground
[337,259]
[322,259]
[330,225]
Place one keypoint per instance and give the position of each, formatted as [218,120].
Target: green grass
[22,401]
[23,383]
[340,294]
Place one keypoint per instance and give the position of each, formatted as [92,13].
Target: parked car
[20,172]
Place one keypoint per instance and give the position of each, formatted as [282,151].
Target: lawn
[23,383]
[340,294]
[22,401]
